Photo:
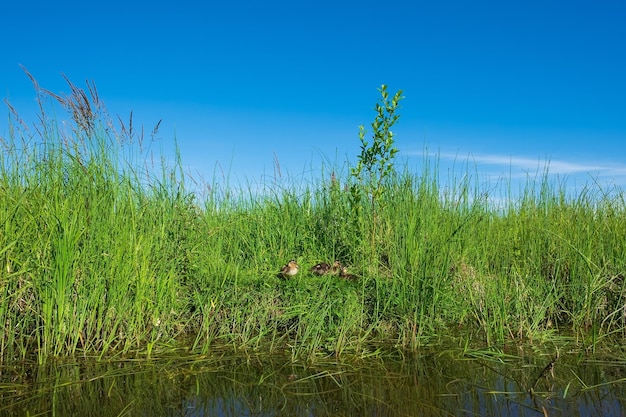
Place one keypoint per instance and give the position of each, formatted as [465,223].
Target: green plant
[376,159]
[375,162]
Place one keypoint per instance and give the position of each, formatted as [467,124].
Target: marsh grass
[104,252]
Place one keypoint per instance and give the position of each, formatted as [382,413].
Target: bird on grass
[344,274]
[320,269]
[323,268]
[290,269]
[336,268]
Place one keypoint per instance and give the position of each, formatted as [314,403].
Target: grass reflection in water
[434,383]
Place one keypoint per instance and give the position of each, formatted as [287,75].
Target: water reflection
[432,384]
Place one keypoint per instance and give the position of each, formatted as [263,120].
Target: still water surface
[435,383]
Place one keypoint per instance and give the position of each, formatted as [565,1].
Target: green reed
[102,251]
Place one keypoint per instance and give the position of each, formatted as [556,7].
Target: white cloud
[498,166]
[529,164]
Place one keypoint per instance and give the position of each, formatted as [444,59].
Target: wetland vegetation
[105,252]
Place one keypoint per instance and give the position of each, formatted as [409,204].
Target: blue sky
[507,86]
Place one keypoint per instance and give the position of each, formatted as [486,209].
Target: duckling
[335,269]
[290,269]
[320,269]
[343,273]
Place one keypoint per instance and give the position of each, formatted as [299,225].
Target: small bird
[320,269]
[343,273]
[290,269]
[323,268]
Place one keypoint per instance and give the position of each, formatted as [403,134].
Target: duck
[321,268]
[289,269]
[343,273]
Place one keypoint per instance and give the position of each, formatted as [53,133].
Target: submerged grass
[103,252]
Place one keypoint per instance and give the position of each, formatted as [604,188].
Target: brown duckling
[324,268]
[290,269]
[321,268]
[343,273]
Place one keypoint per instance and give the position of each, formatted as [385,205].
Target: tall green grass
[104,251]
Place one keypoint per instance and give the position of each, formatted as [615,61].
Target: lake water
[436,383]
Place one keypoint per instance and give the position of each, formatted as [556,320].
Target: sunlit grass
[105,251]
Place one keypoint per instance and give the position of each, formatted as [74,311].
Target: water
[436,383]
